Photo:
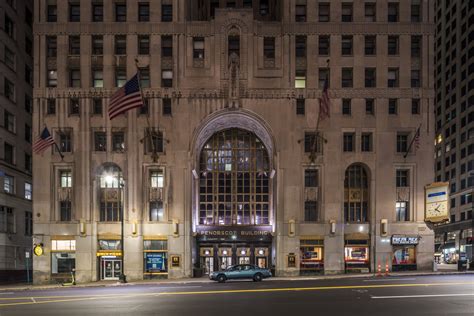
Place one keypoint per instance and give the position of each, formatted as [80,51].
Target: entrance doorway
[262,262]
[225,262]
[244,260]
[111,268]
[208,265]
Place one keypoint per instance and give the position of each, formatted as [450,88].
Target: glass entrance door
[225,262]
[262,262]
[208,265]
[111,269]
[244,260]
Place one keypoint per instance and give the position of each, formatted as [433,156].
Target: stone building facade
[16,107]
[229,161]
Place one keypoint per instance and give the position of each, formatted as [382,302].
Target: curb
[205,280]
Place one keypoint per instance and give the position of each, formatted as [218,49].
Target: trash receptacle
[462,265]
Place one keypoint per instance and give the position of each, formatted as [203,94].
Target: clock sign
[436,202]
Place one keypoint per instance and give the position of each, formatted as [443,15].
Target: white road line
[384,280]
[423,296]
[33,300]
[174,287]
[6,293]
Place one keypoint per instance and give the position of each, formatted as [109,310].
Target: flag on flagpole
[43,141]
[126,98]
[324,101]
[417,138]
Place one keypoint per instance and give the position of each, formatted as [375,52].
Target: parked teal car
[241,271]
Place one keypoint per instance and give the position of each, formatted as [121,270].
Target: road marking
[173,287]
[62,299]
[33,300]
[423,296]
[6,293]
[384,280]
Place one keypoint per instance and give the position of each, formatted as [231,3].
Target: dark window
[74,106]
[269,47]
[97,106]
[167,110]
[144,77]
[312,142]
[392,12]
[28,75]
[9,27]
[416,11]
[402,178]
[118,141]
[167,78]
[166,46]
[74,45]
[415,106]
[392,78]
[120,76]
[74,12]
[144,109]
[28,223]
[346,12]
[28,162]
[310,178]
[324,12]
[346,78]
[346,107]
[324,44]
[346,45]
[100,141]
[51,106]
[300,106]
[143,44]
[349,142]
[415,46]
[65,211]
[154,141]
[300,13]
[28,46]
[28,133]
[392,106]
[120,45]
[65,140]
[8,153]
[97,78]
[143,12]
[311,211]
[264,8]
[51,46]
[97,45]
[300,46]
[415,78]
[233,45]
[366,142]
[28,104]
[9,89]
[370,12]
[370,106]
[370,45]
[402,142]
[156,211]
[198,48]
[392,45]
[370,78]
[120,12]
[97,12]
[74,78]
[52,13]
[166,13]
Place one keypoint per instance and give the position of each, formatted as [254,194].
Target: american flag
[126,98]
[324,101]
[44,141]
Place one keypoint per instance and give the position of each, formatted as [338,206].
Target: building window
[97,12]
[392,12]
[415,78]
[312,142]
[402,179]
[415,106]
[143,44]
[143,12]
[118,141]
[392,45]
[264,8]
[392,78]
[65,140]
[9,121]
[97,45]
[346,11]
[300,46]
[370,106]
[52,13]
[28,191]
[28,223]
[370,78]
[402,211]
[9,89]
[51,46]
[120,76]
[100,141]
[74,45]
[393,106]
[166,13]
[120,12]
[8,184]
[9,58]
[370,12]
[9,27]
[415,46]
[348,142]
[346,107]
[269,47]
[154,141]
[233,45]
[144,77]
[97,106]
[167,78]
[324,45]
[74,12]
[300,13]
[346,45]
[167,109]
[415,11]
[166,46]
[65,208]
[97,78]
[28,163]
[156,211]
[300,106]
[370,45]
[8,153]
[65,179]
[28,75]
[324,12]
[356,196]
[120,45]
[63,257]
[198,48]
[74,78]
[402,142]
[366,142]
[28,46]
[74,106]
[346,78]
[155,256]
[27,133]
[300,78]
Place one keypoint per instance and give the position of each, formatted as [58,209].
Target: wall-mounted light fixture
[383,227]
[195,174]
[291,228]
[332,228]
[82,228]
[175,228]
[134,228]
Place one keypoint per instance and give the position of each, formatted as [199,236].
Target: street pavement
[401,296]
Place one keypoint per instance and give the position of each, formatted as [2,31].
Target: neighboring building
[16,107]
[454,154]
[231,112]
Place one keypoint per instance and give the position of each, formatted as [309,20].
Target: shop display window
[155,257]
[62,262]
[404,255]
[311,254]
[357,254]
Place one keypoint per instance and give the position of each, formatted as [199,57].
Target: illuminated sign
[405,240]
[244,232]
[436,202]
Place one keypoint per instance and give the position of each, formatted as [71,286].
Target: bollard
[379,270]
[386,269]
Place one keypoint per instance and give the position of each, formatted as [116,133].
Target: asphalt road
[401,296]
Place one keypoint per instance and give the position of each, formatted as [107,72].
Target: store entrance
[111,268]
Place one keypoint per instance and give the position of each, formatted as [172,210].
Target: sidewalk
[24,287]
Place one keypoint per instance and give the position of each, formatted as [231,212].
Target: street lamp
[122,277]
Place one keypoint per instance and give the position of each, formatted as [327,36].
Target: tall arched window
[234,186]
[356,194]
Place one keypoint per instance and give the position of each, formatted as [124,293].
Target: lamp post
[122,277]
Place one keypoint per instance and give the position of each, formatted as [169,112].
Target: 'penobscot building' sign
[234,233]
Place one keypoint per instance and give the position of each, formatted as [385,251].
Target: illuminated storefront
[404,252]
[356,255]
[311,256]
[109,259]
[63,257]
[155,257]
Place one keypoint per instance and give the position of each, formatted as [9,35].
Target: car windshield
[231,268]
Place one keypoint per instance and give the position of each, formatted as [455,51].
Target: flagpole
[59,151]
[154,155]
[412,141]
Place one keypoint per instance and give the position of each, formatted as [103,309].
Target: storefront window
[110,245]
[356,255]
[404,255]
[155,257]
[63,258]
[311,254]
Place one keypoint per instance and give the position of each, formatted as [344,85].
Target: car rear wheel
[221,278]
[257,277]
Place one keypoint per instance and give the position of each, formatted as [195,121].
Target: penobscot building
[229,160]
